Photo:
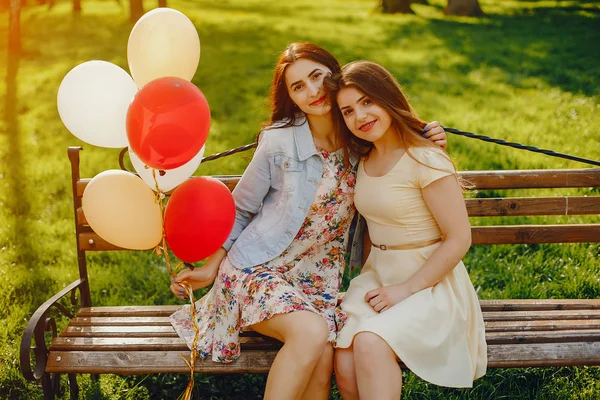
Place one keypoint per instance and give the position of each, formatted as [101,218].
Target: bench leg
[50,385]
[74,389]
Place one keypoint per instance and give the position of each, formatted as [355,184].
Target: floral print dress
[306,276]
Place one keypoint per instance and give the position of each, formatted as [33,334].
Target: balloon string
[187,395]
[160,196]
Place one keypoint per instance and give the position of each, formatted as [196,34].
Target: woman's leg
[378,374]
[319,385]
[345,375]
[304,336]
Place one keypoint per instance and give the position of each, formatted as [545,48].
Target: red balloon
[167,122]
[199,218]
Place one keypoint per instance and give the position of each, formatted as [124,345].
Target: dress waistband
[408,246]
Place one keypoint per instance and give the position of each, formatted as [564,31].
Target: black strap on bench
[454,131]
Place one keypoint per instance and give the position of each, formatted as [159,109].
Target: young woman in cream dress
[413,300]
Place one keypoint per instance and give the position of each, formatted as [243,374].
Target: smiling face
[364,118]
[304,82]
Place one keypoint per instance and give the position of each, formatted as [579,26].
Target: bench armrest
[38,324]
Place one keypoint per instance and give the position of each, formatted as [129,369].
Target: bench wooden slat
[486,180]
[520,206]
[146,343]
[118,343]
[502,207]
[536,234]
[561,336]
[513,206]
[131,331]
[168,331]
[543,354]
[540,315]
[264,343]
[127,311]
[106,331]
[142,362]
[118,331]
[488,316]
[122,321]
[491,326]
[509,234]
[539,304]
[533,179]
[229,180]
[486,306]
[544,325]
[259,361]
[89,241]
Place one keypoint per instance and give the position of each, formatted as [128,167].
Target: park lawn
[527,72]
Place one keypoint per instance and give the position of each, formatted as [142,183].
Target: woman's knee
[368,347]
[311,329]
[295,327]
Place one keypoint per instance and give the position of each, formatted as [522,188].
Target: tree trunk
[14,27]
[136,8]
[468,8]
[77,6]
[396,6]
[162,3]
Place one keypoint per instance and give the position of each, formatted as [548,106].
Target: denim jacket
[274,195]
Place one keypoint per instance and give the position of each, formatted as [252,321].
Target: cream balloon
[122,210]
[172,177]
[164,42]
[92,101]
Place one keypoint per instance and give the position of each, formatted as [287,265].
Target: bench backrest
[589,204]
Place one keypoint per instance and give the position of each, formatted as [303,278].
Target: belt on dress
[407,246]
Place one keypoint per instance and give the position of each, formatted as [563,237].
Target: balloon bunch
[164,120]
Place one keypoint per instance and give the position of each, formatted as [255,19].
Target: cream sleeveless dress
[438,332]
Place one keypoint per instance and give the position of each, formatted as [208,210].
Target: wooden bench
[139,339]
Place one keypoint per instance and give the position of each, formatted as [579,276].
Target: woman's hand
[198,277]
[386,297]
[434,132]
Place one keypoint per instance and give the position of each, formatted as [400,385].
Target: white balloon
[93,99]
[172,177]
[122,210]
[164,42]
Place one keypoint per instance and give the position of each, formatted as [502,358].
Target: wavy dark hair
[283,111]
[282,106]
[382,88]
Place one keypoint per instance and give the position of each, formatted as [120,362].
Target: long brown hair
[283,111]
[382,88]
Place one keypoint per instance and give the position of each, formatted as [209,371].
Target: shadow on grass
[552,44]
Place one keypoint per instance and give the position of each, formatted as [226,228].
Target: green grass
[526,72]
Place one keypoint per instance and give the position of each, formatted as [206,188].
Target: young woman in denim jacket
[280,270]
